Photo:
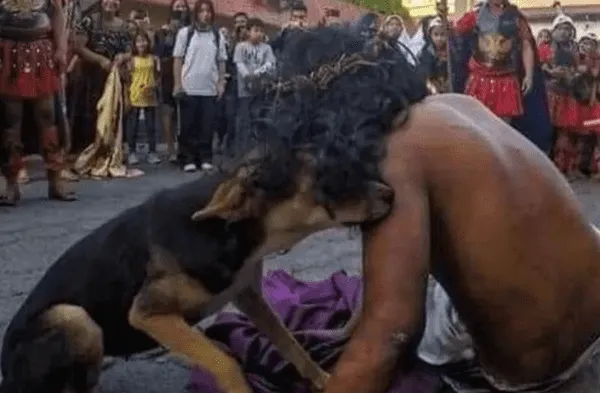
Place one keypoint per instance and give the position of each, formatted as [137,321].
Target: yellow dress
[142,91]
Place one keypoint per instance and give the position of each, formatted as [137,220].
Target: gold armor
[495,50]
[24,19]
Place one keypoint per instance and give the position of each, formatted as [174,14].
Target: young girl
[144,69]
[433,61]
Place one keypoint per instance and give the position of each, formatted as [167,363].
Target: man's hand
[106,64]
[221,88]
[60,59]
[178,91]
[527,84]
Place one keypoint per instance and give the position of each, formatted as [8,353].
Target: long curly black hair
[335,94]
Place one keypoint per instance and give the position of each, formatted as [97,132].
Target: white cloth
[414,44]
[446,341]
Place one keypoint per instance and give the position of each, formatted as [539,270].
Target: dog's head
[285,199]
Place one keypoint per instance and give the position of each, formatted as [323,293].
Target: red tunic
[499,90]
[28,69]
[592,112]
[565,111]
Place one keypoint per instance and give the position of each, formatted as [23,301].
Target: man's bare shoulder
[442,119]
[448,110]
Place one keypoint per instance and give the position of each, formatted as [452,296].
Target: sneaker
[190,168]
[132,159]
[207,166]
[152,158]
[173,158]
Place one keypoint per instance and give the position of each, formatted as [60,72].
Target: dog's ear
[233,200]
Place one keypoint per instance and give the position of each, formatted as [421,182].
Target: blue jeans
[132,127]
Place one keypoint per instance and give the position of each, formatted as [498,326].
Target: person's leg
[12,150]
[168,131]
[205,134]
[242,132]
[131,129]
[231,119]
[186,139]
[151,135]
[587,143]
[53,154]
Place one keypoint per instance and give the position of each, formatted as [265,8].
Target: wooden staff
[442,11]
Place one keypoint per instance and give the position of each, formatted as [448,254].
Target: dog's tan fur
[170,300]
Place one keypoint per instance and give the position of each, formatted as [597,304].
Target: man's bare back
[487,214]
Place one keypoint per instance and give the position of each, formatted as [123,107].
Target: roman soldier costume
[493,68]
[29,50]
[560,63]
[489,62]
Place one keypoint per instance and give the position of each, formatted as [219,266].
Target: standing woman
[101,42]
[165,42]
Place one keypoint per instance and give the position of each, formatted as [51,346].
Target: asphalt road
[33,235]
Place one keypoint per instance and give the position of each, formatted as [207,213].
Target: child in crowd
[253,59]
[433,60]
[559,63]
[144,69]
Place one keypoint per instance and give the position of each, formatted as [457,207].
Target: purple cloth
[303,307]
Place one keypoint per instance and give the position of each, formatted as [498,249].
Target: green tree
[383,6]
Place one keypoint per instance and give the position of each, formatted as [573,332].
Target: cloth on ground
[304,307]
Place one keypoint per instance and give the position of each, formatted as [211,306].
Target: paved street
[35,234]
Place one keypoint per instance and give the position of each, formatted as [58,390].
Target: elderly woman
[165,42]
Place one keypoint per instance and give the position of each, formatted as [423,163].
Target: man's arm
[269,61]
[59,24]
[466,24]
[222,59]
[238,59]
[395,270]
[178,53]
[527,47]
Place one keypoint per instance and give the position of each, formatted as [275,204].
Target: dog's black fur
[342,127]
[104,271]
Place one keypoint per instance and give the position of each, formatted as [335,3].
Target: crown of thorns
[322,76]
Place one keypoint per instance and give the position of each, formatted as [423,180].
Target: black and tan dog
[142,278]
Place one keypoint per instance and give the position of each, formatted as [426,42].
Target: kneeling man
[515,305]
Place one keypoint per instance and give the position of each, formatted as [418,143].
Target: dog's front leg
[157,311]
[251,302]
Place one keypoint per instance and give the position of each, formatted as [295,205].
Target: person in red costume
[585,89]
[33,57]
[504,46]
[559,62]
